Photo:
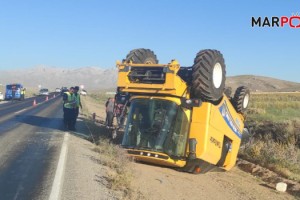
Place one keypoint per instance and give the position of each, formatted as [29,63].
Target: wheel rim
[217,75]
[246,101]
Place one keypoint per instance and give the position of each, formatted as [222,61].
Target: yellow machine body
[206,123]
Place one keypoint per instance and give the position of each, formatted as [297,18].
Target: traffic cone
[47,98]
[34,103]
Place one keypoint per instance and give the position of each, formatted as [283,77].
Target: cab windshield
[13,87]
[156,125]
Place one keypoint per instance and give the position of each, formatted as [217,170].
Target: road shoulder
[84,177]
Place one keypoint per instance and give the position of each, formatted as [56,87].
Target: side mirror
[192,148]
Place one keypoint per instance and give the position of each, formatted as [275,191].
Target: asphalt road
[31,138]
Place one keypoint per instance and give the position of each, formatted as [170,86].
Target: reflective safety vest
[71,100]
[77,98]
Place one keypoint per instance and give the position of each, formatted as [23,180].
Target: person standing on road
[69,109]
[23,93]
[78,103]
[110,104]
[13,94]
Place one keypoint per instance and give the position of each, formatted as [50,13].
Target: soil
[164,183]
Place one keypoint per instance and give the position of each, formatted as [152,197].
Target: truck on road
[15,91]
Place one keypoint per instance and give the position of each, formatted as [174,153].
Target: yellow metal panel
[172,99]
[167,162]
[232,156]
[208,126]
[226,122]
[173,85]
[201,131]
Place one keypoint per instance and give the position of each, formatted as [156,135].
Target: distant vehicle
[83,92]
[44,92]
[57,90]
[63,90]
[13,91]
[1,96]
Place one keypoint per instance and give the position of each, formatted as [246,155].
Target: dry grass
[30,92]
[275,122]
[115,158]
[280,158]
[110,155]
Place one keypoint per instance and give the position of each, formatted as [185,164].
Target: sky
[80,33]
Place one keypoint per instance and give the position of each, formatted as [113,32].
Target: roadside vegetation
[111,156]
[101,96]
[274,120]
[30,92]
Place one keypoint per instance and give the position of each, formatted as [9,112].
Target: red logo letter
[291,22]
[283,20]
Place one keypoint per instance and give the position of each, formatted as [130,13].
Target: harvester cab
[180,116]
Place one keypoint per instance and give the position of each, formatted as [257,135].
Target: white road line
[20,110]
[58,179]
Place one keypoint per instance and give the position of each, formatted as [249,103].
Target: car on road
[63,90]
[1,96]
[83,92]
[57,90]
[44,92]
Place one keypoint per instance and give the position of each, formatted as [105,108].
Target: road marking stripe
[58,179]
[20,110]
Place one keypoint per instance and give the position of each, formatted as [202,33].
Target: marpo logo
[292,21]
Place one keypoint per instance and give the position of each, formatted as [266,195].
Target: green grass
[276,107]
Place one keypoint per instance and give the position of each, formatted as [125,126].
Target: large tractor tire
[208,77]
[141,56]
[241,99]
[228,92]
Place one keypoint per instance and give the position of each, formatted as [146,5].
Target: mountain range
[93,78]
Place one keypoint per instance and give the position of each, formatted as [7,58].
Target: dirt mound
[271,178]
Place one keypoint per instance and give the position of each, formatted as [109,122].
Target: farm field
[274,119]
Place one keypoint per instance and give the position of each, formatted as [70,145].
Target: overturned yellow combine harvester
[180,116]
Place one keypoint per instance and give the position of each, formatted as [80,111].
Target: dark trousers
[69,115]
[76,113]
[109,118]
[120,120]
